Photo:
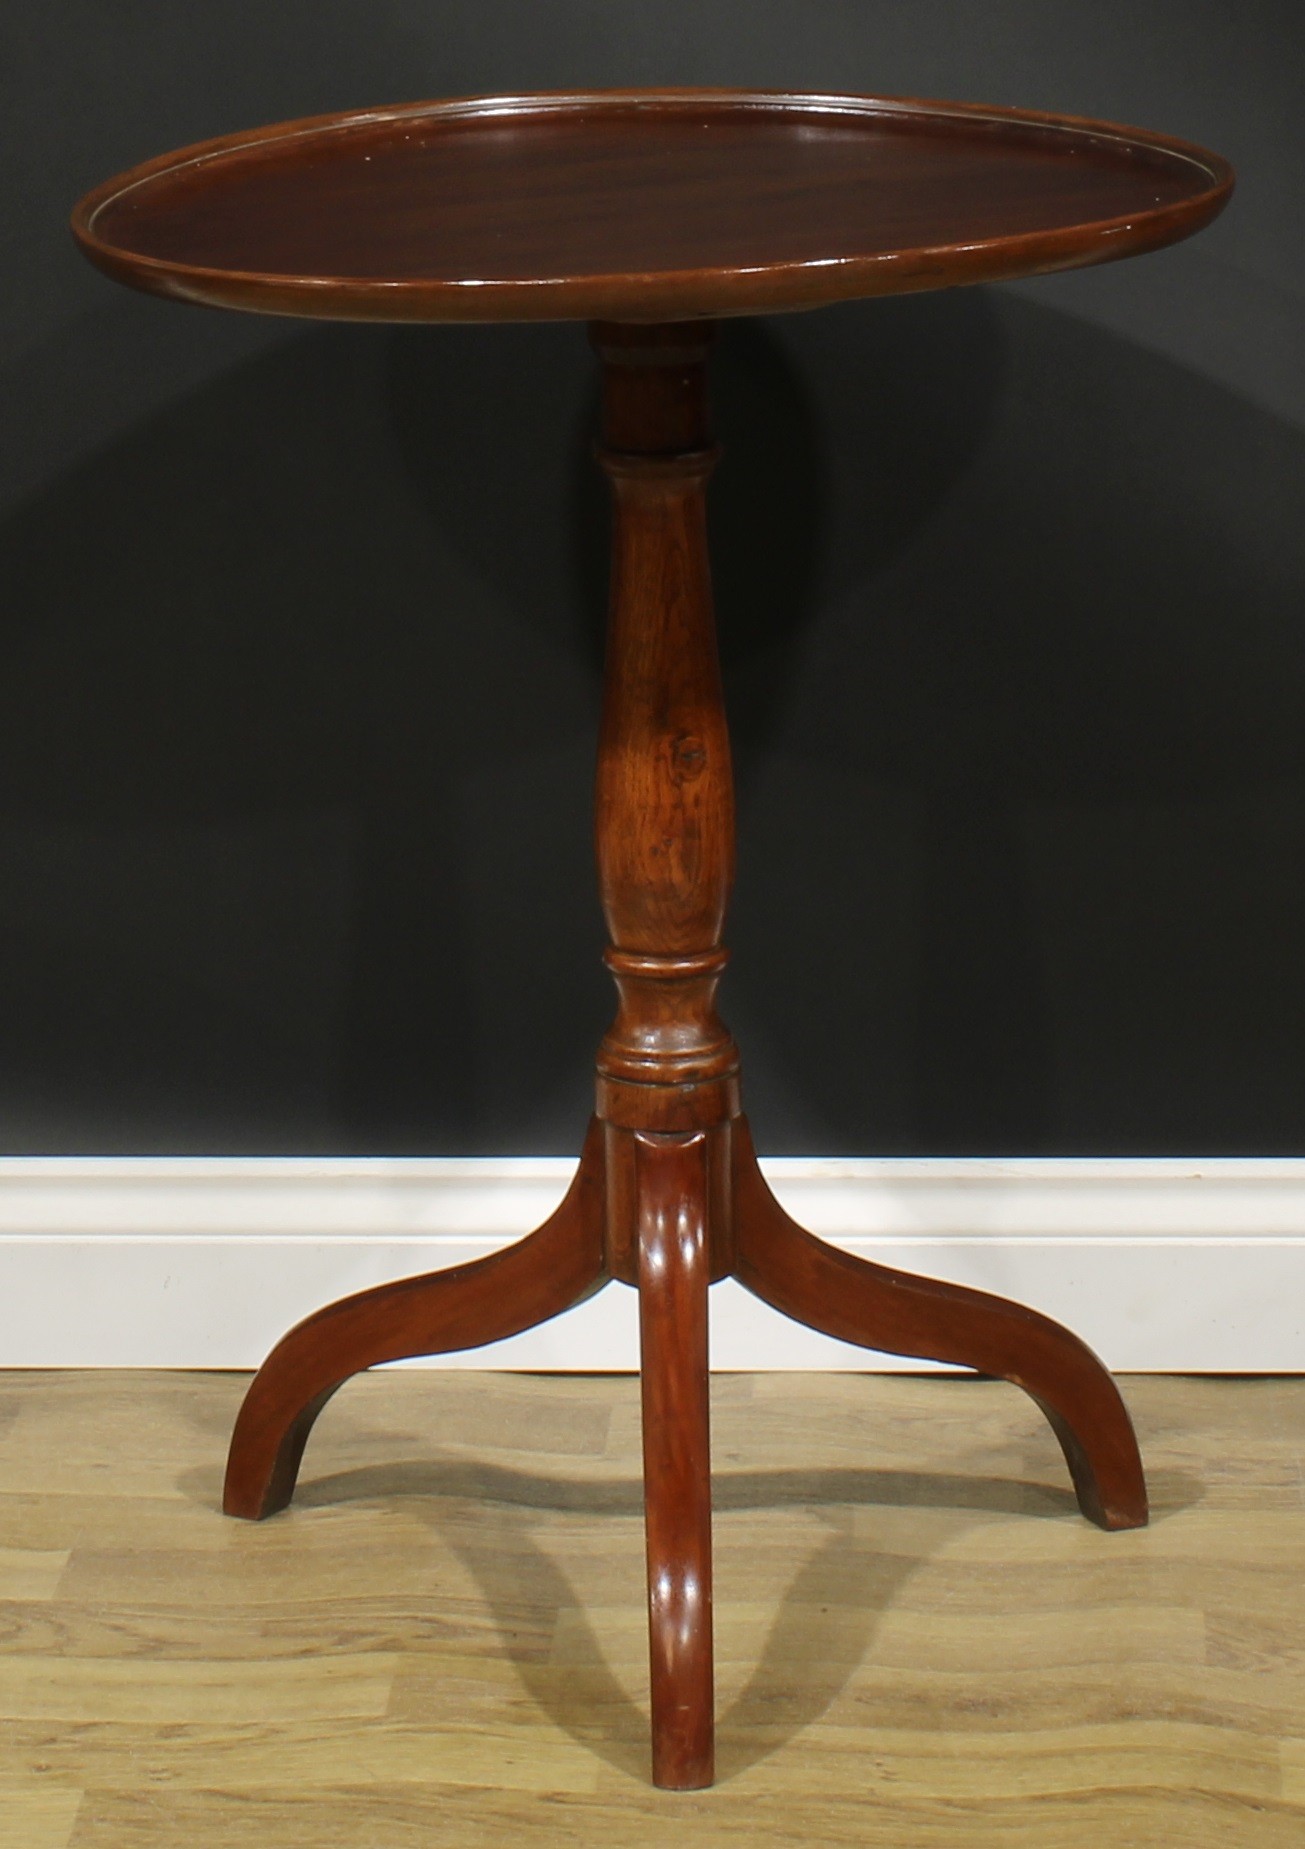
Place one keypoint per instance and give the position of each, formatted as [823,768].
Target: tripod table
[649,214]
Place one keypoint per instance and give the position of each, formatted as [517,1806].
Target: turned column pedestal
[668,1197]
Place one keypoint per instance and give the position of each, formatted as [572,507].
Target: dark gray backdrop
[298,658]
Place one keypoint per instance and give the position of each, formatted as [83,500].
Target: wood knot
[688,757]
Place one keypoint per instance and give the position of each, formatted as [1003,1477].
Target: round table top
[638,205]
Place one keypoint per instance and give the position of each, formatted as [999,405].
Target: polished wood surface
[467,1306]
[877,1307]
[668,1195]
[672,1192]
[918,1644]
[638,205]
[664,793]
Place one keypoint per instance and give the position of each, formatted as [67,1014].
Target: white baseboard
[202,1262]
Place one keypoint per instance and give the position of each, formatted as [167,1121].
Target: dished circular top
[642,205]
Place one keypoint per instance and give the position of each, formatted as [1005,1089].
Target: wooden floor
[919,1640]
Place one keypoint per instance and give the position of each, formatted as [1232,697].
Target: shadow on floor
[826,1619]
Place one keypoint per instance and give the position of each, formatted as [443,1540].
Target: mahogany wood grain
[671,1173]
[638,205]
[664,803]
[558,1265]
[668,1196]
[899,1314]
[649,212]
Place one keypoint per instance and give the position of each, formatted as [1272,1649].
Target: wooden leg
[464,1307]
[876,1307]
[672,1192]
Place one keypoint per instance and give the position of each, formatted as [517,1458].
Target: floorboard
[442,1643]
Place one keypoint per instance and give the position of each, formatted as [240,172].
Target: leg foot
[464,1307]
[899,1314]
[673,1271]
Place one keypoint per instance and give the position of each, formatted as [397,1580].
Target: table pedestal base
[702,1210]
[668,1196]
